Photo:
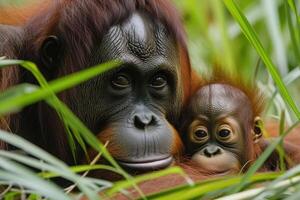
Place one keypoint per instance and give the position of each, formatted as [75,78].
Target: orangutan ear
[50,51]
[257,129]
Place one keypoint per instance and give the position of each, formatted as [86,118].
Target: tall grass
[236,34]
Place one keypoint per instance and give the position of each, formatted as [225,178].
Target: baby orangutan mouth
[220,164]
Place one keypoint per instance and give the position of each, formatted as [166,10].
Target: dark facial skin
[130,106]
[216,131]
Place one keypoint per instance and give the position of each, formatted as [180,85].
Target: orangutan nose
[142,120]
[211,151]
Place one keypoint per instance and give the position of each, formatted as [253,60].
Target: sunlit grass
[236,34]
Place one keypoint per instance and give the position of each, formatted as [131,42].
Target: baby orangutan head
[220,127]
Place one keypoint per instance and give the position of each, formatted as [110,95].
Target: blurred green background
[216,38]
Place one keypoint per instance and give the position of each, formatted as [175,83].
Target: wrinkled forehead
[220,99]
[140,28]
[140,36]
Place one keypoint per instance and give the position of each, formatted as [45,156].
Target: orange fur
[177,145]
[106,136]
[291,141]
[190,79]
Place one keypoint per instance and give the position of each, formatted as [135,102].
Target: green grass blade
[280,147]
[262,158]
[88,136]
[274,31]
[32,149]
[201,189]
[292,30]
[290,78]
[253,39]
[34,197]
[20,175]
[37,164]
[6,63]
[55,86]
[286,176]
[279,192]
[17,91]
[225,52]
[70,137]
[80,169]
[125,184]
[11,195]
[293,6]
[64,83]
[58,85]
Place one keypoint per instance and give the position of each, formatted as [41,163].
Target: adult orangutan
[221,128]
[133,106]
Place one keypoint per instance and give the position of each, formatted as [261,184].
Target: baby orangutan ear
[257,129]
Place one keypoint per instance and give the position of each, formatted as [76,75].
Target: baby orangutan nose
[211,151]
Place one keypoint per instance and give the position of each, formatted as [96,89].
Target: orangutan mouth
[147,166]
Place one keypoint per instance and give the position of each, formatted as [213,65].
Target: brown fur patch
[249,88]
[107,136]
[177,146]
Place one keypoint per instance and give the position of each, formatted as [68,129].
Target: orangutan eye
[200,133]
[158,82]
[121,81]
[224,132]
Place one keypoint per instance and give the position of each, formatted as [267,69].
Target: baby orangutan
[221,128]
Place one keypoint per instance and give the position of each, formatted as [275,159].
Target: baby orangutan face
[218,128]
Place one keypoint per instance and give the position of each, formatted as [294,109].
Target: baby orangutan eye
[224,132]
[200,134]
